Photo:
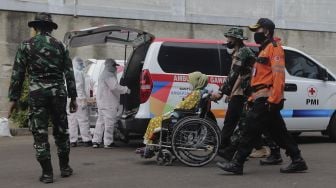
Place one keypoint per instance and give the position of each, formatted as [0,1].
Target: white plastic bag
[4,128]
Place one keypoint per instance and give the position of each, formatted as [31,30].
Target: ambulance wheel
[332,128]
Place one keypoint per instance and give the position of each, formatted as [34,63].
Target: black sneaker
[73,144]
[95,145]
[112,145]
[47,178]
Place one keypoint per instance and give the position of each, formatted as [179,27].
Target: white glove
[128,91]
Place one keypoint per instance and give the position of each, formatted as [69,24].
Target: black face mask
[230,45]
[259,38]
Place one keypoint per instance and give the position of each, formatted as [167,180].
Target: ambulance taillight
[146,85]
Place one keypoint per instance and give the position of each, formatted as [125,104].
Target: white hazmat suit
[108,96]
[81,117]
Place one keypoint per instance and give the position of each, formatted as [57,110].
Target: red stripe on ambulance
[218,80]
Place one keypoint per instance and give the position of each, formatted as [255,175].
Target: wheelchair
[191,136]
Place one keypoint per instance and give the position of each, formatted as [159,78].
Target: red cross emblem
[312,92]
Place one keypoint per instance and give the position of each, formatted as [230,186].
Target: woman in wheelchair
[198,81]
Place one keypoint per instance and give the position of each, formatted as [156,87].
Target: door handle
[290,87]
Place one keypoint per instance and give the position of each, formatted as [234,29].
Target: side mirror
[323,74]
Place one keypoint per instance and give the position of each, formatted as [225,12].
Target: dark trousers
[233,113]
[43,108]
[259,119]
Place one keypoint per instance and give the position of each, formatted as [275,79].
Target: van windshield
[185,58]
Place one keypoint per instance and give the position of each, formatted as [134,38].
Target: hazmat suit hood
[78,66]
[110,69]
[198,80]
[78,63]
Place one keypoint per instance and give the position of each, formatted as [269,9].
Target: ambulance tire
[332,128]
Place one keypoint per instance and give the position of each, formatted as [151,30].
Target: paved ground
[122,168]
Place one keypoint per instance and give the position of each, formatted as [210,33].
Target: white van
[156,72]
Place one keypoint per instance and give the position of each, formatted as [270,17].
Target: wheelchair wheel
[195,141]
[164,157]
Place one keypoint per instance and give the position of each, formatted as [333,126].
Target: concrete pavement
[120,167]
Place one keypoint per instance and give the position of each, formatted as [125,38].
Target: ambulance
[156,72]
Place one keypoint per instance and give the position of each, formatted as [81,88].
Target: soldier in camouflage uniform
[237,88]
[46,62]
[236,84]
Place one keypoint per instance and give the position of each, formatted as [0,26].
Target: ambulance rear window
[189,57]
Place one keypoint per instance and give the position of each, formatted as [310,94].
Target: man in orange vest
[268,82]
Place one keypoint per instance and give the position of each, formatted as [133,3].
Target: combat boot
[47,171]
[274,158]
[66,170]
[298,164]
[227,153]
[235,166]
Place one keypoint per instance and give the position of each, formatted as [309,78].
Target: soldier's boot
[273,159]
[236,166]
[47,171]
[298,164]
[66,170]
[227,153]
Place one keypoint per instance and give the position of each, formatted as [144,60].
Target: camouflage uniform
[47,62]
[244,60]
[236,85]
[242,65]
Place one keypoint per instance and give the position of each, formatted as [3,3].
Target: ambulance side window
[226,61]
[189,57]
[300,66]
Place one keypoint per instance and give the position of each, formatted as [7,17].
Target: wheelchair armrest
[184,111]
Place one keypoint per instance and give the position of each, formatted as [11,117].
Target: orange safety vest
[269,70]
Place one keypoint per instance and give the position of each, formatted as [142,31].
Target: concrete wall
[13,29]
[316,15]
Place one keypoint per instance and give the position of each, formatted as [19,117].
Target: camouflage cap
[42,18]
[235,32]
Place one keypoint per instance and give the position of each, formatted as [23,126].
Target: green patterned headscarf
[198,80]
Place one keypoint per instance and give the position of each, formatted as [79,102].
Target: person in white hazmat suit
[108,96]
[81,117]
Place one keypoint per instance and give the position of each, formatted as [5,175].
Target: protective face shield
[81,65]
[111,65]
[78,63]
